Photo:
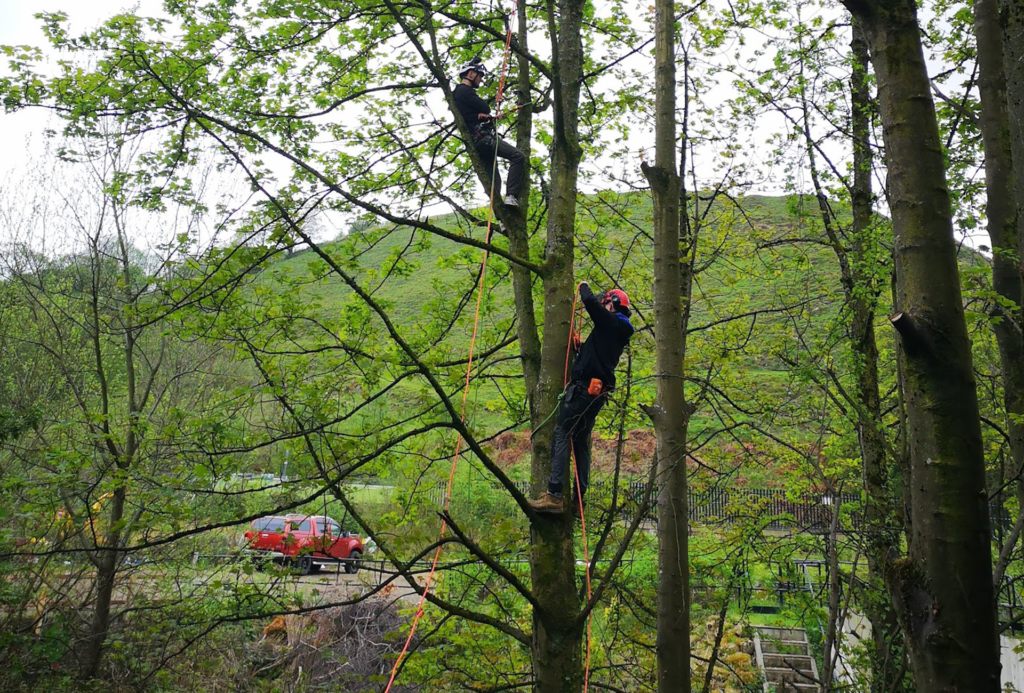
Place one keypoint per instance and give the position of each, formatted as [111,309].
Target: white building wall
[857,628]
[1012,678]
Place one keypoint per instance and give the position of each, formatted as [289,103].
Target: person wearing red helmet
[592,378]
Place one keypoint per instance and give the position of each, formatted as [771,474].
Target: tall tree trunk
[106,572]
[943,589]
[519,243]
[887,652]
[1004,208]
[1012,14]
[1002,222]
[556,633]
[671,413]
[116,534]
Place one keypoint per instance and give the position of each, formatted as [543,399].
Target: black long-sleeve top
[470,105]
[600,354]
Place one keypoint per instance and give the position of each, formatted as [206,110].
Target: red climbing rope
[579,495]
[465,391]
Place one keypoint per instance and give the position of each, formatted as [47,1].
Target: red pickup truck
[306,541]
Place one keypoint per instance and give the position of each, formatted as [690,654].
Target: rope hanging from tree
[579,495]
[465,394]
[469,370]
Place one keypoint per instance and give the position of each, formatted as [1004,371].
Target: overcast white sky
[19,26]
[21,133]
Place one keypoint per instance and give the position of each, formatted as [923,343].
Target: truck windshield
[269,524]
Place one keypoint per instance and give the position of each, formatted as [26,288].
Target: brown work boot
[547,503]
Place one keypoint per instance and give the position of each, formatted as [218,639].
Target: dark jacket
[469,105]
[600,354]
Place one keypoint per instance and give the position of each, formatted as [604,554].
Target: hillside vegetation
[767,280]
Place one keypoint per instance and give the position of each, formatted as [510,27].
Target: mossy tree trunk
[557,632]
[1002,223]
[1002,122]
[943,589]
[1012,18]
[670,415]
[887,651]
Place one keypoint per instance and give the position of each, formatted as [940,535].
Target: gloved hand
[577,342]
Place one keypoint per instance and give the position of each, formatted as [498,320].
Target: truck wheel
[352,564]
[304,565]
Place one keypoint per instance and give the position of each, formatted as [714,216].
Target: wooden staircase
[783,656]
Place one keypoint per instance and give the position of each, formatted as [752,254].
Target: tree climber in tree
[477,114]
[593,377]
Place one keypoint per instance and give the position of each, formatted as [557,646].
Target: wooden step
[788,661]
[776,633]
[779,675]
[796,688]
[785,647]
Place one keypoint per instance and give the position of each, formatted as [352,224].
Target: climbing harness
[575,344]
[465,391]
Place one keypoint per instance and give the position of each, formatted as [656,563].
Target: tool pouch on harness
[484,136]
[595,388]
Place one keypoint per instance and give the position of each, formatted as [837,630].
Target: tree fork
[556,647]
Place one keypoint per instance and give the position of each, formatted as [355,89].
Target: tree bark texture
[671,414]
[556,635]
[943,588]
[999,57]
[1002,223]
[887,651]
[106,572]
[1012,16]
[519,242]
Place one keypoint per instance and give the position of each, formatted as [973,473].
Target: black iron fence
[772,509]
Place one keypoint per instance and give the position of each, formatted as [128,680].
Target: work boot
[547,503]
[511,201]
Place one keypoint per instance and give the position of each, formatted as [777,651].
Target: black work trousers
[573,429]
[516,166]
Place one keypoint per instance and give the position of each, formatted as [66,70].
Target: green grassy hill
[746,264]
[766,284]
[766,316]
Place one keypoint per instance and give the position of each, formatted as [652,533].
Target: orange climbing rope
[465,391]
[465,396]
[579,495]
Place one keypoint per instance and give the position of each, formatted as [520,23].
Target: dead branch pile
[344,648]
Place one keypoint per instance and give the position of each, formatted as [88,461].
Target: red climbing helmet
[617,298]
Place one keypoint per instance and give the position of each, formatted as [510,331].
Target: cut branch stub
[913,340]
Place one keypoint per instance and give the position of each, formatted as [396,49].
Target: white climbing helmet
[475,65]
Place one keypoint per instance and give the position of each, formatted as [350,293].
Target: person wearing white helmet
[477,114]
